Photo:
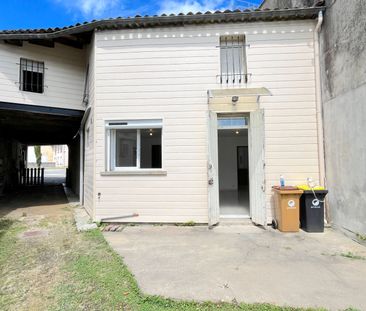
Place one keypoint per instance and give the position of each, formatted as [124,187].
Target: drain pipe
[319,110]
[81,159]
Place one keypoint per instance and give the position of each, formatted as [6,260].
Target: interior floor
[234,202]
[233,173]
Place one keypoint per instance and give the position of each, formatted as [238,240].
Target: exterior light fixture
[237,132]
[234,99]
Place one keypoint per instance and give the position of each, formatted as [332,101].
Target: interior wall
[227,145]
[146,149]
[11,160]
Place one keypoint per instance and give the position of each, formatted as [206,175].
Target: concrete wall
[272,4]
[343,62]
[12,158]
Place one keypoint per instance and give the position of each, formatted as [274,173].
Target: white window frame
[112,126]
[230,73]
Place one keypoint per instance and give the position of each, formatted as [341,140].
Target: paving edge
[82,219]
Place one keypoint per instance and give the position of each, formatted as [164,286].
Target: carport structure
[23,125]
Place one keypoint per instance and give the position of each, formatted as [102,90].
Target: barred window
[233,59]
[31,76]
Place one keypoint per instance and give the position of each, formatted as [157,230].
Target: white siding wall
[64,75]
[89,158]
[165,73]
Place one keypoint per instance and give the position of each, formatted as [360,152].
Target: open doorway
[233,166]
[50,162]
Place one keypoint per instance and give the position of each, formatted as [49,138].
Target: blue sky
[51,13]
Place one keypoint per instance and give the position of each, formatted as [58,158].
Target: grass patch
[186,224]
[361,237]
[353,256]
[8,242]
[67,270]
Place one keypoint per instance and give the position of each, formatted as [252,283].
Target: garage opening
[56,130]
[233,166]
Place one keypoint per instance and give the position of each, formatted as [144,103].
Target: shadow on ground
[33,200]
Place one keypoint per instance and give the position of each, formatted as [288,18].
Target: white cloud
[91,8]
[186,6]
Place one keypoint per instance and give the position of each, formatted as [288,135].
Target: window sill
[146,172]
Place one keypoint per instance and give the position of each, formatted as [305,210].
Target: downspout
[81,133]
[319,108]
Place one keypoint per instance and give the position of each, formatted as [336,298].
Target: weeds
[353,256]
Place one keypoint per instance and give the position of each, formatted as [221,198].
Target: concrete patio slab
[245,263]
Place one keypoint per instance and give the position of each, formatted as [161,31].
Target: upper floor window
[31,76]
[233,59]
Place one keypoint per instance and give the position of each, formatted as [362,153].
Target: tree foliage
[38,153]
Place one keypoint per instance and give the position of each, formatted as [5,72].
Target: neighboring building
[184,116]
[61,155]
[342,63]
[52,156]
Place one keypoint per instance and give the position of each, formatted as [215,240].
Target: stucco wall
[343,59]
[272,4]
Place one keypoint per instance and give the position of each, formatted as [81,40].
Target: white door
[256,168]
[213,169]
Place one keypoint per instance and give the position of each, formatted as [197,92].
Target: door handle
[211,181]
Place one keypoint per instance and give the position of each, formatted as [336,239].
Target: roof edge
[165,20]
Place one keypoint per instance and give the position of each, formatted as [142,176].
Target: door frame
[213,166]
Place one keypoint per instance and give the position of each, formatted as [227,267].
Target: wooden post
[39,176]
[42,176]
[31,176]
[22,173]
[27,176]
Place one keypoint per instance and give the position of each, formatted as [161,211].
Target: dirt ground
[47,265]
[39,221]
[35,201]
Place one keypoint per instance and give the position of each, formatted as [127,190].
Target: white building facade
[196,122]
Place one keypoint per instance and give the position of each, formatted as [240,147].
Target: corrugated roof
[181,19]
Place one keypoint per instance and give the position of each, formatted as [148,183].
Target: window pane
[150,148]
[126,147]
[232,58]
[234,122]
[32,82]
[31,76]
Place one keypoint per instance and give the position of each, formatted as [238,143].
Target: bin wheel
[274,224]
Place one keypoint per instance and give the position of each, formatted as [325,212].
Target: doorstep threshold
[234,217]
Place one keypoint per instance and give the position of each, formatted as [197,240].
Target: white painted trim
[81,167]
[111,141]
[138,149]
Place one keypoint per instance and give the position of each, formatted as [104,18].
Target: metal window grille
[233,65]
[31,76]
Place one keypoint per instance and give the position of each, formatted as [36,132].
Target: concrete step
[235,221]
